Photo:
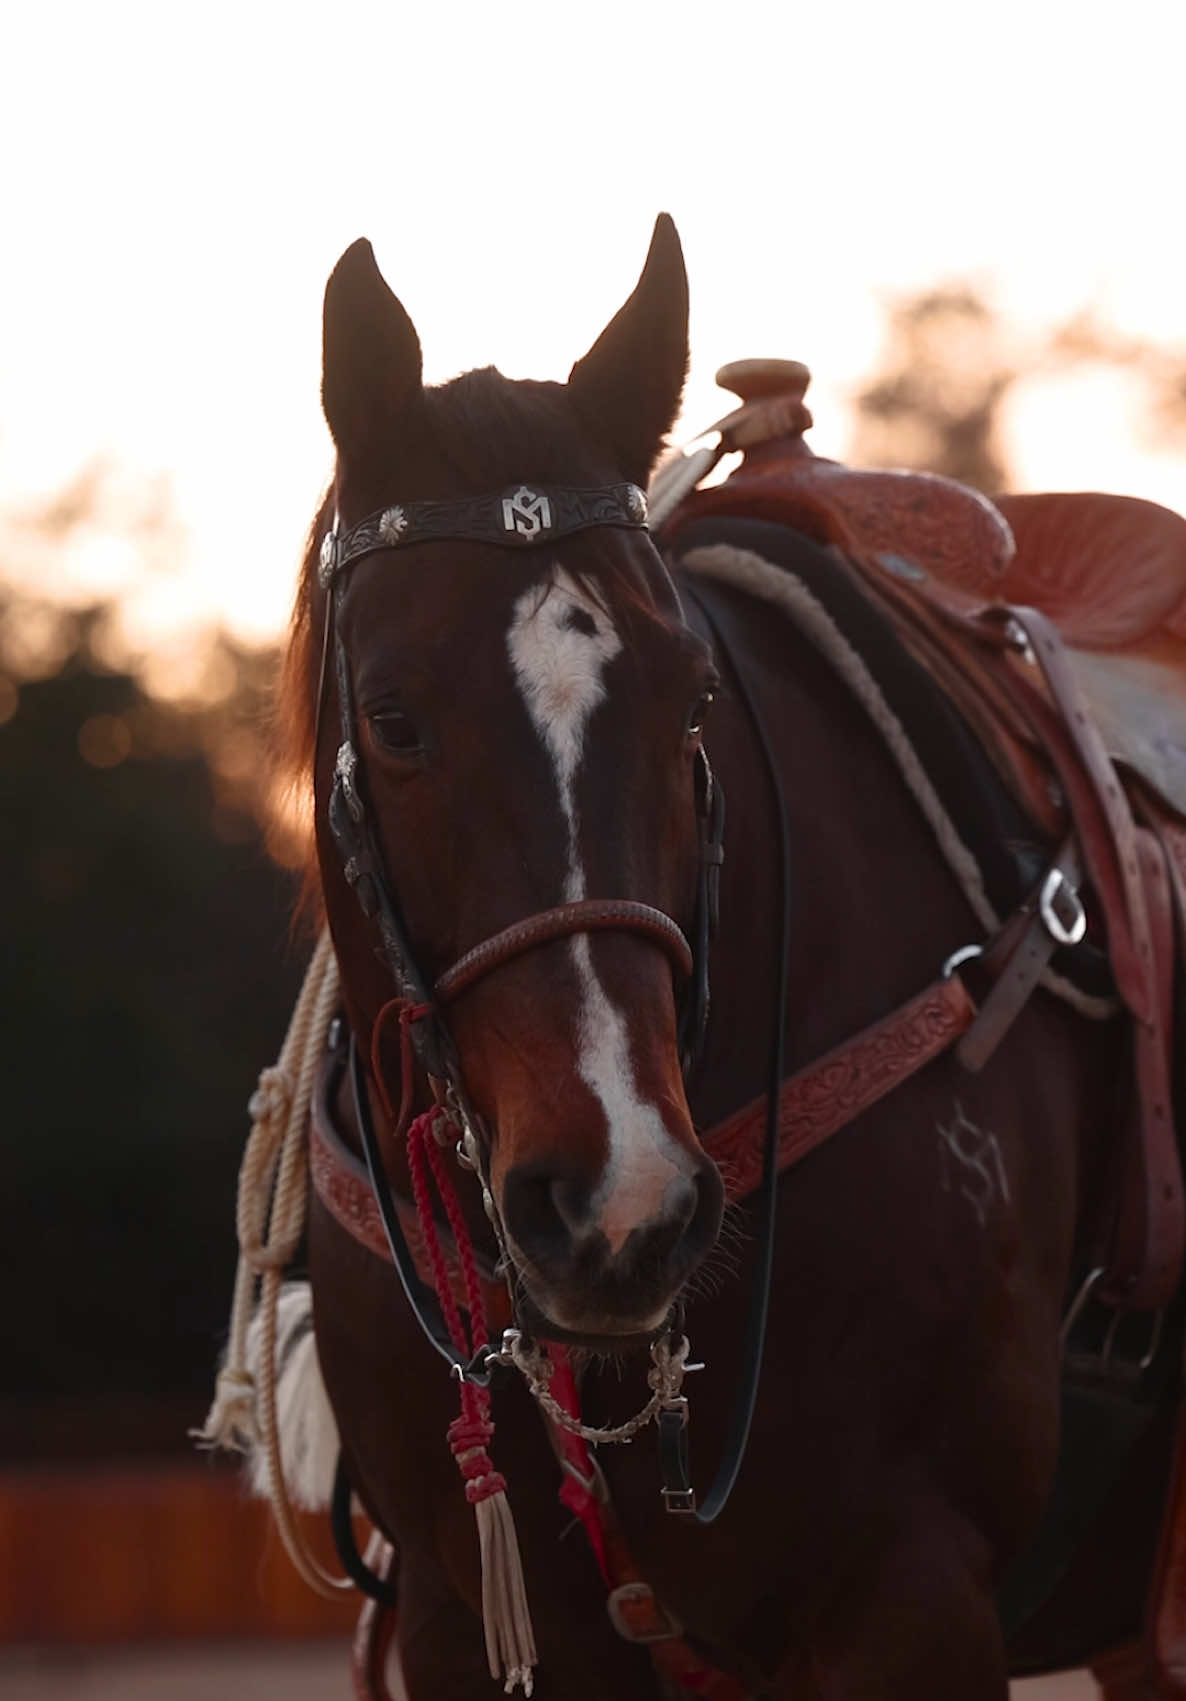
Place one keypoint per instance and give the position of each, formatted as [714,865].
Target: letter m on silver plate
[526,513]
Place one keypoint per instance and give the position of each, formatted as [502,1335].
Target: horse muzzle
[590,1275]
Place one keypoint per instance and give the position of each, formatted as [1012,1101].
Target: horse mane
[485,431]
[295,709]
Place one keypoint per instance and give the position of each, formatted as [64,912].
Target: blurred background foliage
[951,364]
[149,975]
[150,968]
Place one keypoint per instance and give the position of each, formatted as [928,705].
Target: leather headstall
[518,517]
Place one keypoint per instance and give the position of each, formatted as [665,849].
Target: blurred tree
[1087,337]
[935,404]
[149,978]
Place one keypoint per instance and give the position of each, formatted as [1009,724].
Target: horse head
[527,724]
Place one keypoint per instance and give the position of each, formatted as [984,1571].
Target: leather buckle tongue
[637,1616]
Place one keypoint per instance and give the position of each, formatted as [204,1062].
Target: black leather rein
[678,1494]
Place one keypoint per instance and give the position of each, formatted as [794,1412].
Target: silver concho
[393,523]
[636,504]
[327,561]
[527,513]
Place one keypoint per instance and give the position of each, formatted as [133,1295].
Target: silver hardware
[1154,1339]
[393,523]
[1056,886]
[346,770]
[505,1352]
[901,568]
[1018,639]
[327,560]
[679,1499]
[1077,1304]
[527,513]
[1102,1361]
[1154,1342]
[965,954]
[636,503]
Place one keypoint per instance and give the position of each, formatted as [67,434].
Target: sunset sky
[179,183]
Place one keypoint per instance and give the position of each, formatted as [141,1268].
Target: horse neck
[874,908]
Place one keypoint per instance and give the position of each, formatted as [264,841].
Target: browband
[517,517]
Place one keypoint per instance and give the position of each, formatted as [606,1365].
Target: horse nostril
[544,1212]
[655,1242]
[570,1201]
[694,1210]
[683,1200]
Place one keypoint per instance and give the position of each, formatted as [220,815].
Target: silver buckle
[1057,888]
[965,954]
[665,1629]
[1105,1360]
[679,1499]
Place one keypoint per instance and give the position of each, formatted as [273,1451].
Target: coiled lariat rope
[270,1219]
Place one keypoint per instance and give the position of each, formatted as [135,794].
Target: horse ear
[371,365]
[628,386]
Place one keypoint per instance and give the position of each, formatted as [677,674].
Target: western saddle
[1056,624]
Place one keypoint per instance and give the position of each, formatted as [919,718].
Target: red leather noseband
[589,915]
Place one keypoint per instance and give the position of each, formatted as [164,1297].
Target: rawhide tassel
[506,1617]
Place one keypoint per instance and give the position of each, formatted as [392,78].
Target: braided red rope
[469,1434]
[474,1298]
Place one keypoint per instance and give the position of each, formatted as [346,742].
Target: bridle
[519,517]
[524,517]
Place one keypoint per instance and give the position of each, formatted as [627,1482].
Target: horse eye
[396,732]
[696,719]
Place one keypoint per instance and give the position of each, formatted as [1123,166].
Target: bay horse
[526,733]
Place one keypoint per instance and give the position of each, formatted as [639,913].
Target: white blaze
[559,665]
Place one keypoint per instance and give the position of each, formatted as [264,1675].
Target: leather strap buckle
[638,1617]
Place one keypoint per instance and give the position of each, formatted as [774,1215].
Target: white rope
[270,1219]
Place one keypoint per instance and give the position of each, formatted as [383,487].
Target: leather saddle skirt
[1110,571]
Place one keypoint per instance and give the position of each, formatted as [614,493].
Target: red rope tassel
[506,1618]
